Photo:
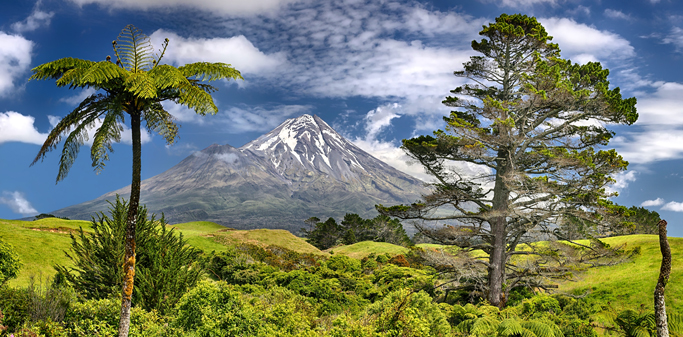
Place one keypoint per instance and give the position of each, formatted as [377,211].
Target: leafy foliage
[9,262]
[167,266]
[354,229]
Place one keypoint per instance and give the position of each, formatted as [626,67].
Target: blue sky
[376,71]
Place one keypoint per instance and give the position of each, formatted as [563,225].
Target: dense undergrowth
[271,291]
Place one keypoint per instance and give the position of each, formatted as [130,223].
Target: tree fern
[134,85]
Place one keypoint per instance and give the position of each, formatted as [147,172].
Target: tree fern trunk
[664,272]
[131,221]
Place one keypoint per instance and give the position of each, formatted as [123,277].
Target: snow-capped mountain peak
[307,143]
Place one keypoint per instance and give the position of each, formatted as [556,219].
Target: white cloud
[226,7]
[258,119]
[656,202]
[17,203]
[616,14]
[180,149]
[675,38]
[380,118]
[673,206]
[520,3]
[15,127]
[239,119]
[582,43]
[237,51]
[658,133]
[78,98]
[229,158]
[623,179]
[650,144]
[34,21]
[15,59]
[392,155]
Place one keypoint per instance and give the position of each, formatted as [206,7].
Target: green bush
[343,264]
[101,318]
[9,263]
[219,309]
[14,305]
[405,313]
[166,267]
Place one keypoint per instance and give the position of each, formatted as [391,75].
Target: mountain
[302,168]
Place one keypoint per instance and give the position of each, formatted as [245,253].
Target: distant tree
[354,228]
[135,85]
[642,221]
[9,263]
[45,216]
[325,235]
[532,121]
[166,268]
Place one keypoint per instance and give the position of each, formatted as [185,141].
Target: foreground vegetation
[271,283]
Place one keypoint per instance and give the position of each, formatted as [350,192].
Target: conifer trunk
[664,272]
[131,221]
[498,256]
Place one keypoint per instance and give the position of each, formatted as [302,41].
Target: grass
[362,249]
[266,237]
[631,284]
[199,235]
[40,245]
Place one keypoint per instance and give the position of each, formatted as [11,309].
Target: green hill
[628,285]
[362,249]
[41,244]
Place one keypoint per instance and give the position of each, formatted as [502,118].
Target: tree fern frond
[197,99]
[483,326]
[134,49]
[65,125]
[542,329]
[57,68]
[675,321]
[102,72]
[73,142]
[141,85]
[108,132]
[160,121]
[510,328]
[205,71]
[166,76]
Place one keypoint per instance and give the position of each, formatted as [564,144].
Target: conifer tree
[533,121]
[132,86]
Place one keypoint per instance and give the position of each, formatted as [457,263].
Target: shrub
[165,268]
[343,264]
[406,313]
[399,260]
[9,262]
[101,318]
[220,309]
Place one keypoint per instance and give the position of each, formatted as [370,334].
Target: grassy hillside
[362,249]
[40,244]
[265,237]
[631,284]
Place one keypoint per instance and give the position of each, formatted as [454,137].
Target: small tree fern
[133,86]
